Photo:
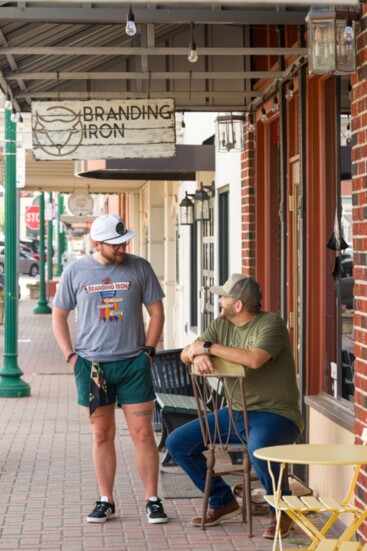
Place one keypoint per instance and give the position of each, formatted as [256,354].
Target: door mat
[175,484]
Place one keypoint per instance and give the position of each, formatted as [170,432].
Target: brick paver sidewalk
[47,483]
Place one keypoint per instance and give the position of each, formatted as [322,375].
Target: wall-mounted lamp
[230,131]
[193,55]
[198,209]
[130,27]
[331,42]
[187,210]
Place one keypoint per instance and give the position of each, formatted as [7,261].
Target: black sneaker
[155,512]
[102,511]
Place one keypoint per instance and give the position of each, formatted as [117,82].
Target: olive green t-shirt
[273,386]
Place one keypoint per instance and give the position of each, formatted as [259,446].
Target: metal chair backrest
[214,390]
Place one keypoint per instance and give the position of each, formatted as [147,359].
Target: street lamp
[331,41]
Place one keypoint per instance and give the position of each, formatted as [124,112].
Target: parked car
[30,242]
[27,264]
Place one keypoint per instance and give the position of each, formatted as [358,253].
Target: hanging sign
[80,203]
[79,130]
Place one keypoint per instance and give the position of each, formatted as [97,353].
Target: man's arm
[61,330]
[156,322]
[194,352]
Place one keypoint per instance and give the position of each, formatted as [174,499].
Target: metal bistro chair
[210,393]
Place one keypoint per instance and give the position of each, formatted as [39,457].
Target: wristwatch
[206,347]
[150,350]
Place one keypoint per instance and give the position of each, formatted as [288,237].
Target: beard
[112,257]
[227,313]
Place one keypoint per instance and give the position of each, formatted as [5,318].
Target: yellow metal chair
[211,393]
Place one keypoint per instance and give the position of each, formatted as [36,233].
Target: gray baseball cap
[240,287]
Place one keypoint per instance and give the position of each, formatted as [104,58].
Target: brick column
[248,203]
[359,202]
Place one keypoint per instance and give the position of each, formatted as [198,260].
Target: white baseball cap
[110,228]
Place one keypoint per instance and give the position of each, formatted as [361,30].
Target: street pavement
[47,482]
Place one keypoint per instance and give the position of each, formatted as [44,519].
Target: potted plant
[34,290]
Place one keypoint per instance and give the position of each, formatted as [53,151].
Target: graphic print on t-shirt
[111,306]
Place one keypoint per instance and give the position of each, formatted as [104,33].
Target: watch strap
[150,350]
[207,346]
[70,356]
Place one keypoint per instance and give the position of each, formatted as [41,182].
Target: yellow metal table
[298,508]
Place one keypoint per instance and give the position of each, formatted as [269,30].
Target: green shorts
[128,381]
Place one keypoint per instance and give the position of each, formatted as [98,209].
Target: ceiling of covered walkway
[68,50]
[79,50]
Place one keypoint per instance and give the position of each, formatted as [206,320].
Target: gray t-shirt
[109,299]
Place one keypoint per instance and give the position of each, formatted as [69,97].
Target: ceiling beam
[154,75]
[94,14]
[242,3]
[135,95]
[120,51]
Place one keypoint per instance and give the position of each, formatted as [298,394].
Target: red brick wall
[248,203]
[359,201]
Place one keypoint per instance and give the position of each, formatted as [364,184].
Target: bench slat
[331,504]
[174,403]
[295,503]
[312,503]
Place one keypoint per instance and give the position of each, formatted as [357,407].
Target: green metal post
[42,306]
[49,247]
[11,384]
[60,233]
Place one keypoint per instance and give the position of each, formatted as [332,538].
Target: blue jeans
[185,444]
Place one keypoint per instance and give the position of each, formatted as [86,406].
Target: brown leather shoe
[285,527]
[216,516]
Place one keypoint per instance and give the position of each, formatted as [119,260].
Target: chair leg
[210,462]
[247,491]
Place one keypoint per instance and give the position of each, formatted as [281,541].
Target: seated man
[259,340]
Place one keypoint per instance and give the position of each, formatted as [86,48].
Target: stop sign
[32,217]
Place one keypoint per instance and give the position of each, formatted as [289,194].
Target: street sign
[32,217]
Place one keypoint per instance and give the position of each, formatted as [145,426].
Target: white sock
[153,498]
[105,498]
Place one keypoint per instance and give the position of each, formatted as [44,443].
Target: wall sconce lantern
[197,210]
[331,42]
[187,210]
[230,131]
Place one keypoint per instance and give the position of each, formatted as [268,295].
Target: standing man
[258,340]
[112,355]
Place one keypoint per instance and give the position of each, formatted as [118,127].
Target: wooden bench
[175,403]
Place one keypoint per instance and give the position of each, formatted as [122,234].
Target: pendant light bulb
[275,107]
[348,30]
[13,116]
[251,123]
[193,55]
[264,117]
[290,92]
[130,28]
[8,103]
[20,122]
